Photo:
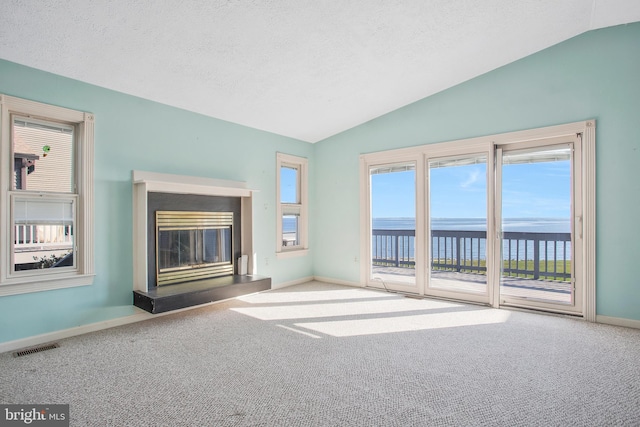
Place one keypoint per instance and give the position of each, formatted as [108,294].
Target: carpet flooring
[318,354]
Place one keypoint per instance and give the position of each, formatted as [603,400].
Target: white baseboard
[292,282]
[140,316]
[618,321]
[93,327]
[72,332]
[337,281]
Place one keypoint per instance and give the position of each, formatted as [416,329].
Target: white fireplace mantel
[148,182]
[167,183]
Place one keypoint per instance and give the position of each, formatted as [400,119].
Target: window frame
[301,164]
[82,273]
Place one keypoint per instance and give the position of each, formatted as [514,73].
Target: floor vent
[35,349]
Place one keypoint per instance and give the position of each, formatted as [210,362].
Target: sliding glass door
[538,205]
[496,220]
[393,225]
[457,206]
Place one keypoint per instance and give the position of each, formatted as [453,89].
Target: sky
[530,190]
[288,182]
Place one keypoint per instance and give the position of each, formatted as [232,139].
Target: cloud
[472,178]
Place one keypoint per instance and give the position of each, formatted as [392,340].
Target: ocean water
[538,225]
[289,225]
[523,251]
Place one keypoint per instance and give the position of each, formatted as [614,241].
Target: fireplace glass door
[193,245]
[216,245]
[193,248]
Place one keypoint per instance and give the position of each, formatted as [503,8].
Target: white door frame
[366,276]
[420,154]
[573,141]
[449,152]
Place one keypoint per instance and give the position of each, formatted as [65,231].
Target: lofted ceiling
[306,69]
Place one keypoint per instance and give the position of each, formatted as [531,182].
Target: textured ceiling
[307,69]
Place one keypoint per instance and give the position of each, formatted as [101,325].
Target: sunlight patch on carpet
[299,331]
[421,322]
[309,311]
[309,296]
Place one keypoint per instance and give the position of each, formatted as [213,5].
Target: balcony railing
[539,256]
[38,236]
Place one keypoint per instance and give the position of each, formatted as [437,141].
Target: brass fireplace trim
[189,220]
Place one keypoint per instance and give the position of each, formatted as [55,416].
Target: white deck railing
[37,236]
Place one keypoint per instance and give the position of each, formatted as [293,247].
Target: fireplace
[193,245]
[192,237]
[187,232]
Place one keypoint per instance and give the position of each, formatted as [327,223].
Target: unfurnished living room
[356,213]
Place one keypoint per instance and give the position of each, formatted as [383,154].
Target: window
[291,196]
[46,221]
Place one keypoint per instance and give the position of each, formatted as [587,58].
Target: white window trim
[11,284]
[483,144]
[303,248]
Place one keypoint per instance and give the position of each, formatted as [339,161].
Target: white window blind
[29,211]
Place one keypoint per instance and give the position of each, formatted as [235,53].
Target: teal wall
[132,133]
[595,75]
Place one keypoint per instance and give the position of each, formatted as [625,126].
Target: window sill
[292,253]
[40,284]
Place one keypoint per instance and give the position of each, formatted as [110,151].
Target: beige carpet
[326,355]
